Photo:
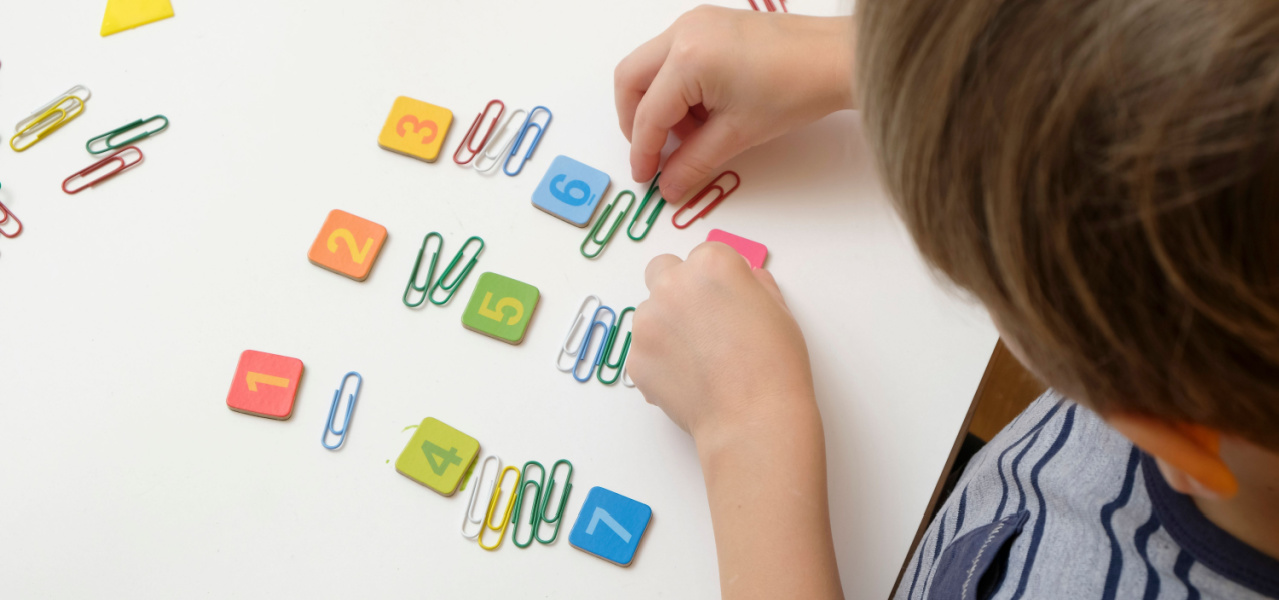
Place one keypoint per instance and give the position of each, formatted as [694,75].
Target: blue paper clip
[519,141]
[333,410]
[586,343]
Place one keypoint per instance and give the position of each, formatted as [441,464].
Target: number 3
[418,126]
[495,313]
[357,254]
[565,194]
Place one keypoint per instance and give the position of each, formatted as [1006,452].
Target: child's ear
[1189,455]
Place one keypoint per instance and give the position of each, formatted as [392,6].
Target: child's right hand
[724,81]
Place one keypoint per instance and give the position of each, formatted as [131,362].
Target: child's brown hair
[1104,176]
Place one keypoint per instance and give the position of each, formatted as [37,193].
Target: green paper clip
[535,512]
[605,361]
[451,288]
[430,273]
[546,501]
[109,136]
[593,236]
[657,210]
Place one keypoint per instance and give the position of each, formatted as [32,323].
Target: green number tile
[501,308]
[437,456]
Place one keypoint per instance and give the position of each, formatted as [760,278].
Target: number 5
[357,254]
[495,313]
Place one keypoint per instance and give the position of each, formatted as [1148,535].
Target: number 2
[253,379]
[495,313]
[565,193]
[357,254]
[601,515]
[446,458]
[418,126]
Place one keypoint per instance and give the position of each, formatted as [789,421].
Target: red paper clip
[713,185]
[8,215]
[114,157]
[469,138]
[768,4]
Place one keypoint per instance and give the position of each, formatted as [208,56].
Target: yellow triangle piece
[127,14]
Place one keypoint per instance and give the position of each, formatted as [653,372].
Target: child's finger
[663,106]
[765,278]
[657,266]
[701,152]
[633,76]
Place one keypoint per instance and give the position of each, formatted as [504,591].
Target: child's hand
[727,80]
[716,348]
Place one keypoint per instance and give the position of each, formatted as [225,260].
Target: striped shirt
[1059,505]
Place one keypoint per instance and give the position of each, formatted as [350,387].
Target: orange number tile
[347,245]
[265,385]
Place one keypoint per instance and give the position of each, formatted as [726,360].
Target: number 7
[495,313]
[601,515]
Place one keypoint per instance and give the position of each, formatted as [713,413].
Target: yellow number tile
[415,128]
[437,456]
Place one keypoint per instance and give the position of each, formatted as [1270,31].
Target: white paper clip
[501,141]
[477,481]
[80,92]
[585,314]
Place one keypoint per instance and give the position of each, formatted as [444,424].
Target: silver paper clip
[80,92]
[478,481]
[333,410]
[500,141]
[581,318]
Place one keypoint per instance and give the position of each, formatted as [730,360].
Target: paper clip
[546,501]
[586,343]
[497,143]
[9,215]
[471,133]
[451,288]
[535,512]
[430,273]
[340,433]
[626,378]
[593,236]
[80,92]
[47,122]
[500,528]
[769,5]
[578,320]
[477,482]
[109,136]
[713,185]
[657,210]
[117,156]
[519,141]
[605,361]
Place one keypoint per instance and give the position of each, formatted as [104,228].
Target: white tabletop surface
[126,307]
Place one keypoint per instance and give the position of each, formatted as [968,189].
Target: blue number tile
[610,526]
[571,190]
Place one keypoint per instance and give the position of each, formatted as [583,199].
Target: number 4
[495,313]
[601,515]
[446,458]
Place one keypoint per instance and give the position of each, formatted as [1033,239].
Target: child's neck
[1251,515]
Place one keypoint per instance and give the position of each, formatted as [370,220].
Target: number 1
[253,379]
[601,515]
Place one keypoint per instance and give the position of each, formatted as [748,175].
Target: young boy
[1104,177]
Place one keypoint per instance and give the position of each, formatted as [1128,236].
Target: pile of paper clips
[428,289]
[516,501]
[119,141]
[487,154]
[594,245]
[581,337]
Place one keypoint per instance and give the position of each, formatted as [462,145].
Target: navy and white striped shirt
[1059,505]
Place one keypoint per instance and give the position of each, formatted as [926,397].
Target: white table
[126,307]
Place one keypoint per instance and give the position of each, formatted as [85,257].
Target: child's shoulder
[1059,505]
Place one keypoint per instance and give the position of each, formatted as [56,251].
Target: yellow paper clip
[41,125]
[506,516]
[79,91]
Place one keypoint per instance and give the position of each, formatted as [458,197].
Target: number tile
[571,190]
[265,385]
[610,526]
[347,245]
[437,456]
[501,308]
[415,128]
[754,252]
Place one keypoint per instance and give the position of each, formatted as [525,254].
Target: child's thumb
[703,151]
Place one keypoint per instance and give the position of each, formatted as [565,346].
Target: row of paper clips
[516,501]
[577,343]
[594,245]
[428,289]
[769,6]
[487,154]
[119,141]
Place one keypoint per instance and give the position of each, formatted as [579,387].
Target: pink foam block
[754,252]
